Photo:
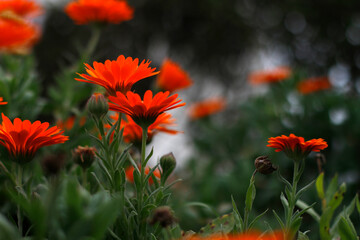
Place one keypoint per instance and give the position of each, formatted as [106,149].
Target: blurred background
[219,43]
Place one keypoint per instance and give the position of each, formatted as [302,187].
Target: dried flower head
[103,11]
[84,156]
[52,164]
[163,216]
[264,166]
[295,147]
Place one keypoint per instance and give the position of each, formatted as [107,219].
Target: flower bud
[84,156]
[164,216]
[264,166]
[97,105]
[168,164]
[52,164]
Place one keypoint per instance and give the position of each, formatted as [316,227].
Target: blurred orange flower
[206,108]
[296,147]
[270,76]
[105,11]
[172,77]
[133,132]
[144,112]
[129,172]
[68,124]
[118,75]
[17,36]
[22,8]
[315,84]
[23,138]
[1,101]
[242,236]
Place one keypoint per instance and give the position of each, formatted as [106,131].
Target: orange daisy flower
[1,101]
[17,36]
[106,11]
[315,84]
[241,236]
[133,132]
[118,75]
[172,77]
[22,8]
[23,138]
[270,76]
[129,172]
[296,147]
[206,108]
[144,112]
[69,123]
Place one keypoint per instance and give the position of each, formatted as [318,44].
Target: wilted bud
[97,105]
[164,216]
[263,165]
[84,156]
[52,164]
[168,163]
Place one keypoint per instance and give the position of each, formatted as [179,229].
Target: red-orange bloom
[144,112]
[172,77]
[23,138]
[17,36]
[133,132]
[118,75]
[315,84]
[69,123]
[1,101]
[206,108]
[270,76]
[296,147]
[106,11]
[129,172]
[242,236]
[22,8]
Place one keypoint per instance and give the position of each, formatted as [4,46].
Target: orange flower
[133,132]
[270,76]
[17,36]
[144,112]
[106,11]
[315,84]
[172,77]
[22,8]
[129,172]
[23,138]
[1,101]
[206,108]
[68,124]
[118,75]
[241,236]
[296,147]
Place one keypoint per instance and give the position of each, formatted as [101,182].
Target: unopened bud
[97,105]
[84,156]
[264,166]
[168,164]
[164,216]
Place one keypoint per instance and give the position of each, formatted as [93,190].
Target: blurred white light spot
[338,116]
[339,75]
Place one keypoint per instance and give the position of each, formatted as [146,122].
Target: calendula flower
[296,147]
[144,112]
[172,77]
[17,36]
[104,11]
[315,84]
[270,76]
[22,8]
[129,172]
[23,138]
[207,107]
[119,75]
[1,101]
[133,133]
[241,236]
[69,123]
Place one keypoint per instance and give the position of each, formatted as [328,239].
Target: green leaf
[239,222]
[279,220]
[358,203]
[330,191]
[221,225]
[7,230]
[346,230]
[257,218]
[302,205]
[304,189]
[250,195]
[320,186]
[302,236]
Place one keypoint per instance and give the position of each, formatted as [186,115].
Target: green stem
[84,178]
[142,226]
[94,39]
[292,200]
[19,186]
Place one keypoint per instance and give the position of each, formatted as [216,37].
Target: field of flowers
[277,159]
